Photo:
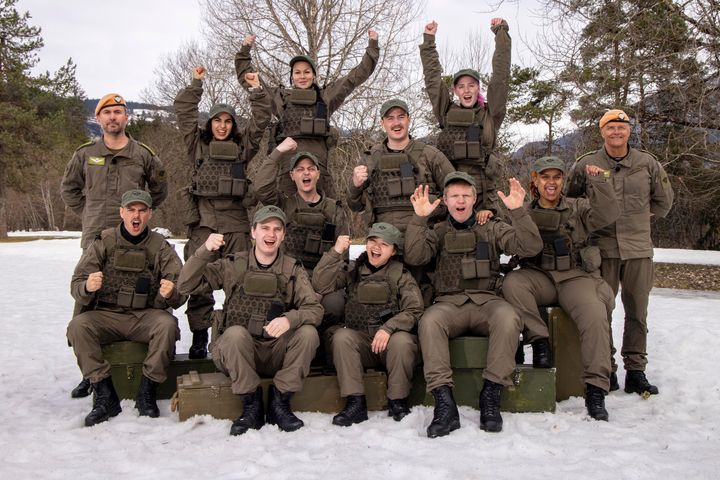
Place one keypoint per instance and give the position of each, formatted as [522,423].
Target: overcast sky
[116,45]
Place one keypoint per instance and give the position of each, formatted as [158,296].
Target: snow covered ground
[676,433]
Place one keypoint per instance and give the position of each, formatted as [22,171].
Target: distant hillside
[90,104]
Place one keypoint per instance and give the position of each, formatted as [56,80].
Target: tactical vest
[460,139]
[374,300]
[304,114]
[558,252]
[309,232]
[395,177]
[129,278]
[466,263]
[220,173]
[257,297]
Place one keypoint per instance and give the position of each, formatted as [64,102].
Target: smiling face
[616,136]
[135,217]
[466,90]
[268,236]
[549,183]
[302,75]
[113,119]
[396,123]
[221,125]
[459,198]
[379,251]
[305,174]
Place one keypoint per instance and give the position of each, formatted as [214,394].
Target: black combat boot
[490,419]
[445,415]
[83,389]
[355,411]
[636,382]
[198,349]
[614,385]
[106,403]
[279,412]
[253,415]
[146,398]
[520,354]
[398,408]
[595,402]
[541,353]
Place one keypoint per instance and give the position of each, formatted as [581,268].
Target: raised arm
[338,91]
[421,243]
[261,114]
[265,182]
[329,274]
[432,73]
[187,111]
[499,85]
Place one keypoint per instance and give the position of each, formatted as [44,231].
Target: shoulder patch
[86,144]
[148,149]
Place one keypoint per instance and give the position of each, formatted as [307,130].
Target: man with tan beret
[643,189]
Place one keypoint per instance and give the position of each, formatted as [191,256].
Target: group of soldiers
[431,269]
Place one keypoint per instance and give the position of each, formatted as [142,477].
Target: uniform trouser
[636,276]
[334,305]
[352,354]
[496,319]
[244,358]
[585,299]
[200,305]
[88,331]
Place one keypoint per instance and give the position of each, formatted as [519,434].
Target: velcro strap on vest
[227,151]
[460,117]
[300,96]
[310,219]
[373,293]
[546,220]
[260,284]
[460,241]
[392,161]
[129,260]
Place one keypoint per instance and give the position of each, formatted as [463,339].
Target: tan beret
[614,116]
[110,100]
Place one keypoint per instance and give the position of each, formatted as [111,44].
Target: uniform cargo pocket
[590,259]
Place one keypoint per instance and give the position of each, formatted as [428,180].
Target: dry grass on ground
[687,277]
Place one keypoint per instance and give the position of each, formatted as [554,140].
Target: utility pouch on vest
[306,126]
[459,242]
[312,243]
[225,185]
[239,187]
[319,126]
[546,220]
[187,205]
[390,162]
[460,117]
[328,232]
[224,150]
[407,179]
[256,324]
[300,96]
[473,149]
[562,255]
[590,259]
[460,149]
[125,297]
[547,260]
[373,293]
[310,219]
[129,260]
[142,288]
[260,284]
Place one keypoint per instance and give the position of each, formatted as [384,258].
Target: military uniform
[121,310]
[642,189]
[386,193]
[567,272]
[218,198]
[468,136]
[304,114]
[251,293]
[95,179]
[386,298]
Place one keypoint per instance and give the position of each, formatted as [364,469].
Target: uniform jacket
[166,266]
[522,238]
[642,189]
[95,180]
[202,271]
[331,274]
[222,215]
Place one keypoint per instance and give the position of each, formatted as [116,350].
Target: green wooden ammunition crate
[533,389]
[468,352]
[126,360]
[210,394]
[567,358]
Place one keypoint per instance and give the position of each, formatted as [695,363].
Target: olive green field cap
[301,155]
[219,108]
[393,103]
[466,71]
[303,58]
[546,163]
[389,233]
[269,211]
[136,196]
[454,177]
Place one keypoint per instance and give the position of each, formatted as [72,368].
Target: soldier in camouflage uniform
[218,198]
[466,282]
[268,323]
[125,281]
[384,304]
[567,272]
[469,125]
[303,110]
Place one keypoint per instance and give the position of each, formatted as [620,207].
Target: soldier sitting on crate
[126,282]
[567,272]
[314,220]
[384,304]
[269,319]
[466,282]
